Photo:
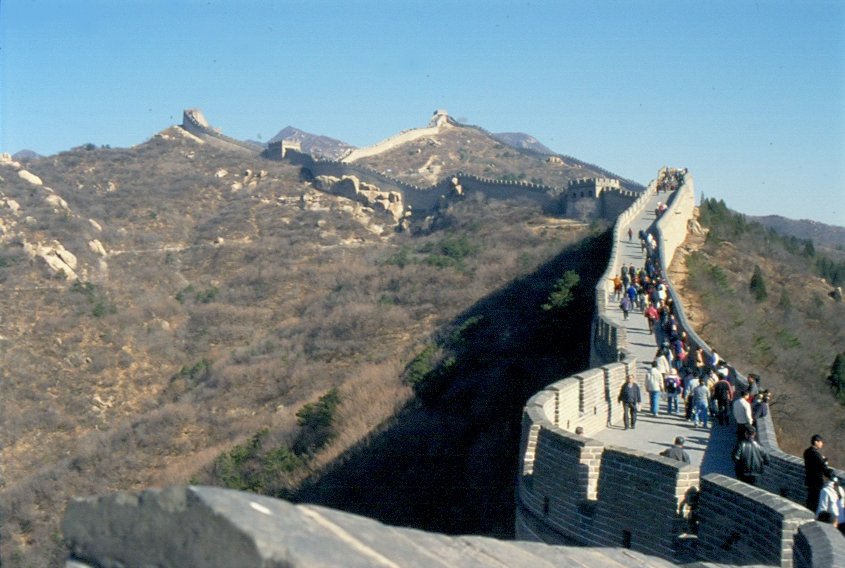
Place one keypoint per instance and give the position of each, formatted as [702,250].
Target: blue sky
[750,96]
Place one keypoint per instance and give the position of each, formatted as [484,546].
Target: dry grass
[275,315]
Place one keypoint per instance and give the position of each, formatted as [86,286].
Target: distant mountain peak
[26,156]
[317,145]
[522,141]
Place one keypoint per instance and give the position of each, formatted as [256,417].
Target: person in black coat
[749,458]
[814,466]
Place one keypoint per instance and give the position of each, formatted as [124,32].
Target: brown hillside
[790,338]
[428,160]
[215,296]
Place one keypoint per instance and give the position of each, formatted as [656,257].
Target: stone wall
[641,501]
[194,122]
[609,204]
[392,142]
[743,524]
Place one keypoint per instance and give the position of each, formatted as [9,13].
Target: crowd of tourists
[706,389]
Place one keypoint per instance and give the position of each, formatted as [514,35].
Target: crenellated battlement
[193,120]
[573,487]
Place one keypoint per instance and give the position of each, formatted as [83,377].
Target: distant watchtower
[591,187]
[440,118]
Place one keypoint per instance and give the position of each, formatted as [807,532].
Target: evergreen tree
[837,377]
[757,286]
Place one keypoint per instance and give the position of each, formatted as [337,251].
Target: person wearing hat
[677,452]
[814,466]
[829,509]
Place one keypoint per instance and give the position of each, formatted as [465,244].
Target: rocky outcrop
[97,247]
[388,203]
[30,177]
[211,527]
[55,255]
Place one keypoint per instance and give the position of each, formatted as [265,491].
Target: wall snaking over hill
[550,199]
[574,489]
[194,122]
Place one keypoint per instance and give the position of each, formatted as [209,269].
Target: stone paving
[708,448]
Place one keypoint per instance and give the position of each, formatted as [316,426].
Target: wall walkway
[609,487]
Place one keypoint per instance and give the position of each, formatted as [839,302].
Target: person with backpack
[672,386]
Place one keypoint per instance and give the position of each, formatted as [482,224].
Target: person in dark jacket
[749,458]
[630,398]
[814,465]
[677,452]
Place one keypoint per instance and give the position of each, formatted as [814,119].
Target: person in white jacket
[830,507]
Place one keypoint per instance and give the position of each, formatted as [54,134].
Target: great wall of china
[611,199]
[577,489]
[571,490]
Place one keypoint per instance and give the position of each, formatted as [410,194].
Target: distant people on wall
[625,305]
[760,406]
[750,458]
[815,464]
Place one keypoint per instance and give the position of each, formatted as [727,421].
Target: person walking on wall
[829,509]
[654,386]
[625,305]
[749,458]
[672,384]
[630,398]
[700,404]
[677,452]
[814,466]
[723,392]
[651,316]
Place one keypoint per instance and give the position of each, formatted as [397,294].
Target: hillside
[823,236]
[167,302]
[790,337]
[459,148]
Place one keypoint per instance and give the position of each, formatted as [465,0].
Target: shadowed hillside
[431,468]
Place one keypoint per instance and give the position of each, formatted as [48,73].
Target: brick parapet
[818,545]
[739,523]
[655,488]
